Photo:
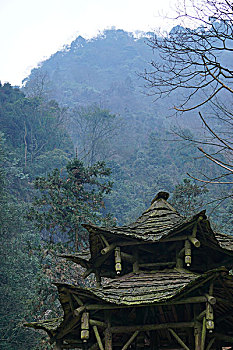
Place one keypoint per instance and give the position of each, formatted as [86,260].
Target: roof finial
[161,194]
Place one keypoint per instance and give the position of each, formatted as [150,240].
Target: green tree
[93,131]
[188,197]
[67,199]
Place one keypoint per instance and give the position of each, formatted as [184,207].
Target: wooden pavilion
[163,282]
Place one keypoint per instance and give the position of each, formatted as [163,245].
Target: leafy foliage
[69,199]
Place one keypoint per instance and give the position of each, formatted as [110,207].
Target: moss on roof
[50,326]
[136,289]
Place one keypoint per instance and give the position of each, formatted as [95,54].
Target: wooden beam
[131,339]
[227,338]
[108,338]
[87,273]
[194,241]
[191,300]
[79,301]
[108,249]
[151,327]
[211,342]
[157,264]
[107,333]
[197,335]
[179,340]
[99,341]
[127,257]
[104,240]
[203,334]
[97,323]
[77,312]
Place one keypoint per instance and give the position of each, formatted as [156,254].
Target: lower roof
[136,289]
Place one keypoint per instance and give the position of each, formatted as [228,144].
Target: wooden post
[118,267]
[135,264]
[85,326]
[108,333]
[108,338]
[179,340]
[210,344]
[203,334]
[131,339]
[197,335]
[209,317]
[188,251]
[99,341]
[98,278]
[179,259]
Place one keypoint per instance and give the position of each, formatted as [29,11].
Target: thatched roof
[225,241]
[50,326]
[159,220]
[132,289]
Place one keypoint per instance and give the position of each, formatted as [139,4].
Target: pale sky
[32,30]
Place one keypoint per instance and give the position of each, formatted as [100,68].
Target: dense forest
[85,140]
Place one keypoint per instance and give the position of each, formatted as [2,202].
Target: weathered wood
[209,316]
[67,328]
[118,267]
[157,264]
[203,334]
[131,339]
[107,332]
[197,336]
[127,257]
[135,264]
[179,259]
[97,323]
[98,278]
[108,248]
[85,326]
[70,301]
[79,310]
[179,340]
[194,233]
[194,241]
[201,315]
[104,240]
[87,273]
[108,339]
[94,347]
[212,300]
[188,252]
[151,327]
[79,301]
[191,300]
[211,342]
[227,338]
[97,335]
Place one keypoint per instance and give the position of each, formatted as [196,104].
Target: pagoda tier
[159,238]
[163,310]
[169,287]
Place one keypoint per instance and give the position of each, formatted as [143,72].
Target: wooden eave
[187,289]
[50,326]
[140,289]
[80,259]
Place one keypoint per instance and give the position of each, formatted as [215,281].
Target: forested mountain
[84,105]
[100,82]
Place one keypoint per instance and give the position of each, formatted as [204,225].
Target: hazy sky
[32,30]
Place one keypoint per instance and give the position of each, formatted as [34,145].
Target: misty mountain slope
[106,71]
